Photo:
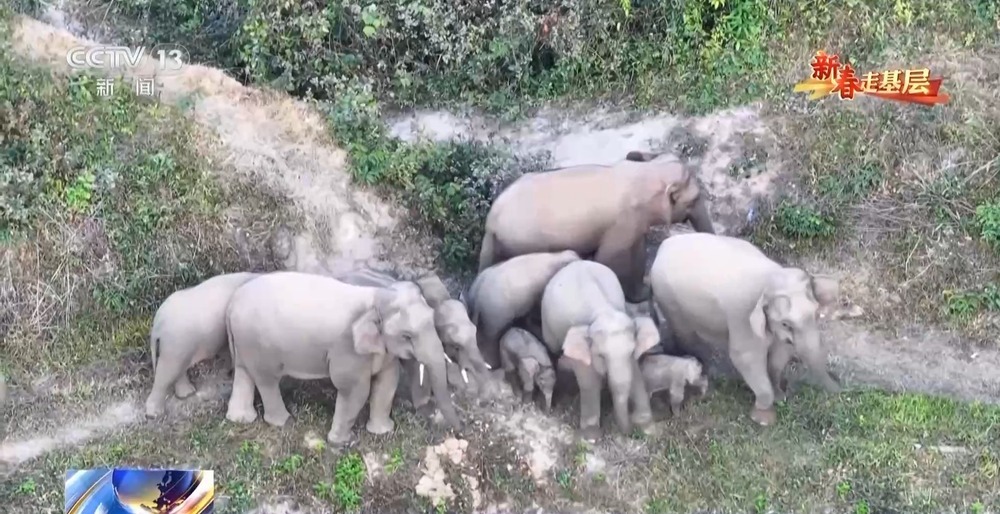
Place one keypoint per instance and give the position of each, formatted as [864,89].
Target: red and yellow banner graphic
[831,76]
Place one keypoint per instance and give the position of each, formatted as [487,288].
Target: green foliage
[987,218]
[349,478]
[802,221]
[961,306]
[449,186]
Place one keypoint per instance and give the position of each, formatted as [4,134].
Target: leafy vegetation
[102,202]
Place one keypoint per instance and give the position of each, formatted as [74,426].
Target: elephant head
[458,333]
[786,313]
[612,345]
[408,331]
[544,376]
[687,198]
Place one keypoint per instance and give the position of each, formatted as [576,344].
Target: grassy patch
[107,207]
[856,451]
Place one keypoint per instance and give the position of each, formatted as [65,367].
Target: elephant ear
[367,334]
[647,335]
[825,288]
[758,322]
[529,369]
[576,346]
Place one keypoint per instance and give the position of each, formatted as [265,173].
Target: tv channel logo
[139,491]
[167,58]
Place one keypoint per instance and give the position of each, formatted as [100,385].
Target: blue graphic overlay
[139,491]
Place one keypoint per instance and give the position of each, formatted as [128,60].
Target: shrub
[988,220]
[449,186]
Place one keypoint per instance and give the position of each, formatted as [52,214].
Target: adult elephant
[309,327]
[723,290]
[603,212]
[584,319]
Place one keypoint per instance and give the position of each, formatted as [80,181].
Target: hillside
[319,138]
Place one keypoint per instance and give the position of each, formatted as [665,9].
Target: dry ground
[864,451]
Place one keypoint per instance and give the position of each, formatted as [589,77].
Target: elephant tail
[487,254]
[154,347]
[229,337]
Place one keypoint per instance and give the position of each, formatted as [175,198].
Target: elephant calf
[723,290]
[189,327]
[310,327]
[667,372]
[584,319]
[525,355]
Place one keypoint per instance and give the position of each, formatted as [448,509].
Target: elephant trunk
[698,216]
[620,383]
[812,352]
[430,353]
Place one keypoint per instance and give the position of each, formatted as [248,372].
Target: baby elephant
[667,372]
[524,353]
[189,327]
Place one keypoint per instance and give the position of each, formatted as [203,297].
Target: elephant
[188,327]
[721,290]
[451,320]
[600,212]
[522,353]
[510,290]
[309,326]
[3,390]
[668,372]
[584,319]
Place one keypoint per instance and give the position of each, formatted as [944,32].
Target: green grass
[859,450]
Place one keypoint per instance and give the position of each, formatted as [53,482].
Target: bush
[450,186]
[498,54]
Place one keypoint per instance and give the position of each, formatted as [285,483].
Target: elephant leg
[642,413]
[676,397]
[623,249]
[777,361]
[167,372]
[380,399]
[488,337]
[275,412]
[752,366]
[345,412]
[590,402]
[183,386]
[241,409]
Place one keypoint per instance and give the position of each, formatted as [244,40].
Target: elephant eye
[787,325]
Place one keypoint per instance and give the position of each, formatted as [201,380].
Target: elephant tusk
[448,358]
[465,376]
[488,366]
[421,374]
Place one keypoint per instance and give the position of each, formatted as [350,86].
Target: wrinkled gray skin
[3,391]
[674,374]
[310,327]
[189,327]
[720,290]
[584,319]
[523,354]
[455,329]
[507,291]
